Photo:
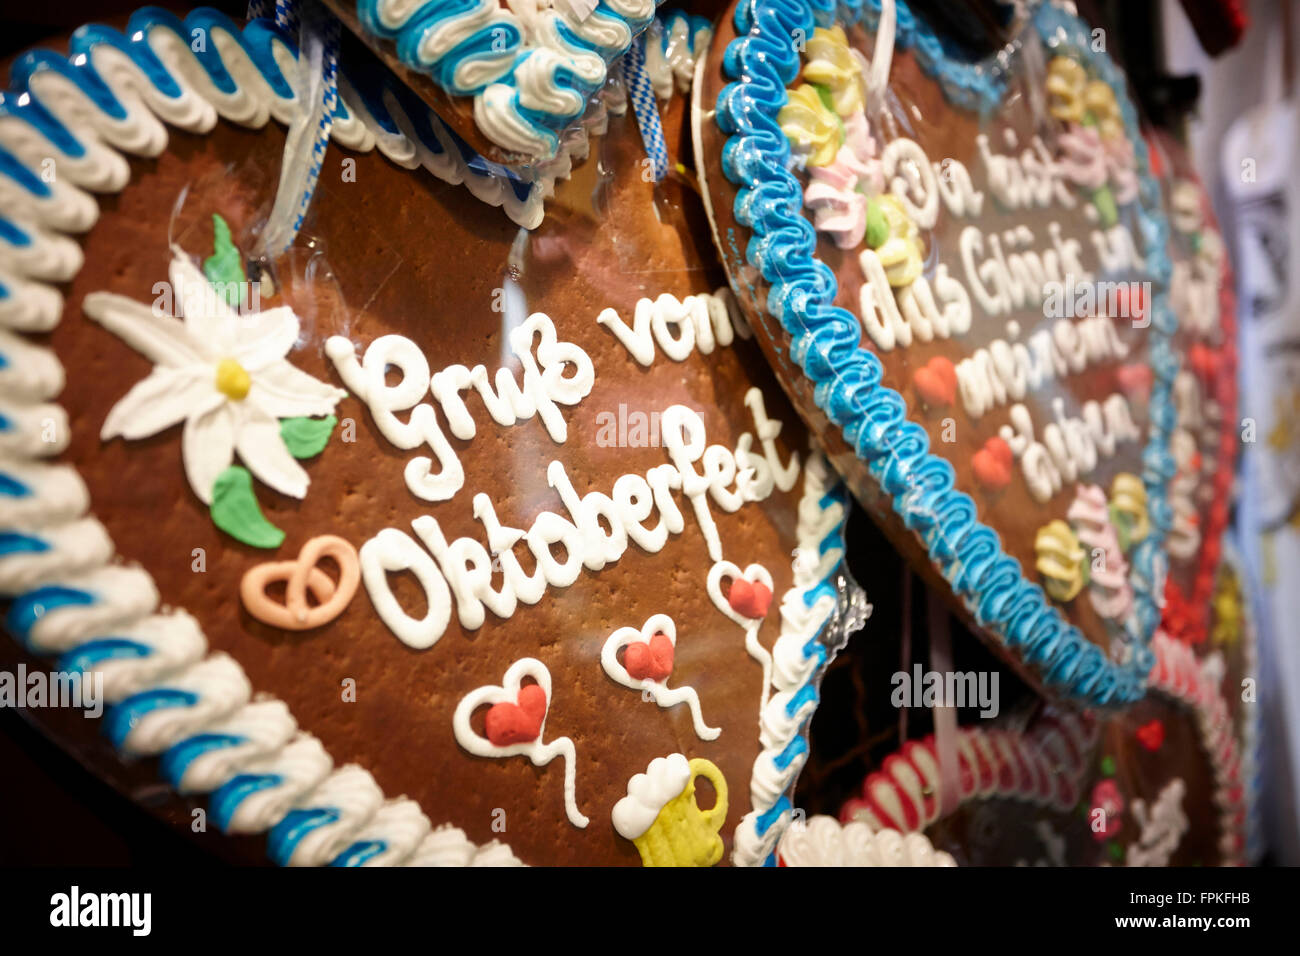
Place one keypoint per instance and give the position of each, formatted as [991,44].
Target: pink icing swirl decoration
[838,193]
[1045,767]
[1179,674]
[1108,587]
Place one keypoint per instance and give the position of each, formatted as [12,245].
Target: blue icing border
[367,77]
[759,64]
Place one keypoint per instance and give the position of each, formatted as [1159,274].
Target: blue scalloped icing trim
[761,62]
[369,79]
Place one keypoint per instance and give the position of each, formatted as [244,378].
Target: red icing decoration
[517,723]
[749,599]
[1135,380]
[1151,735]
[992,464]
[652,661]
[1106,797]
[1203,362]
[1186,615]
[936,381]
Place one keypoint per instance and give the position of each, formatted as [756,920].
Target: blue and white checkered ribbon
[641,92]
[309,132]
[283,12]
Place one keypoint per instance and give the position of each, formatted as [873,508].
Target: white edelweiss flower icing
[665,778]
[186,384]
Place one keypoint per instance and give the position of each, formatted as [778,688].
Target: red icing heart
[1151,735]
[936,381]
[652,661]
[1134,380]
[749,599]
[518,723]
[1203,362]
[992,464]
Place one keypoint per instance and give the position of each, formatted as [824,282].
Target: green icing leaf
[225,267]
[1104,200]
[877,225]
[1122,529]
[307,437]
[235,510]
[1108,765]
[1115,850]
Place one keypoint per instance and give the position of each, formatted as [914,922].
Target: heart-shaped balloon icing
[648,656]
[949,262]
[516,715]
[749,592]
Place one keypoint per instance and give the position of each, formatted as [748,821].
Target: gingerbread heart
[958,301]
[651,660]
[936,382]
[520,722]
[266,405]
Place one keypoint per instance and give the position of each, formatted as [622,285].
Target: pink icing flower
[1121,166]
[837,193]
[1107,798]
[1109,589]
[1083,158]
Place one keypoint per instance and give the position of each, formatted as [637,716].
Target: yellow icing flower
[831,64]
[902,253]
[1128,507]
[812,129]
[1066,80]
[1061,560]
[1228,616]
[1100,101]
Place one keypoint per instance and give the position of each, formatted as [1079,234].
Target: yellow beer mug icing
[662,818]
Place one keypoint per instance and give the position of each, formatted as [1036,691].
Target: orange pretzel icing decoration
[301,576]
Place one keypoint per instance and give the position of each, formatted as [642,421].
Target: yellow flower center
[232,380]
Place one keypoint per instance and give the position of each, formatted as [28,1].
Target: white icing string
[754,573]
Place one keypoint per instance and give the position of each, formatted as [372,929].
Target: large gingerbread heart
[954,265]
[531,438]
